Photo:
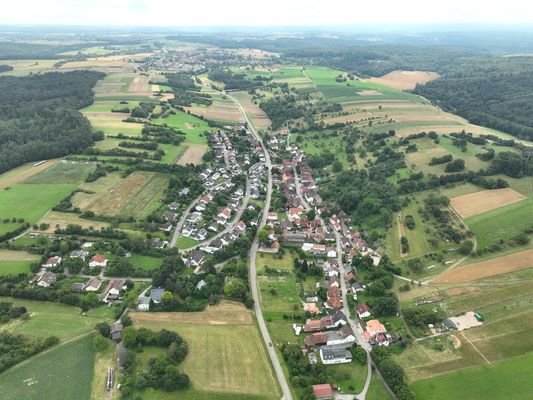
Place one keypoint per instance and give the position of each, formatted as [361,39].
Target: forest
[39,117]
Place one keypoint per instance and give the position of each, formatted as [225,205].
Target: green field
[63,172]
[14,267]
[184,242]
[32,201]
[47,319]
[509,380]
[146,263]
[193,126]
[64,373]
[222,359]
[274,261]
[279,293]
[501,223]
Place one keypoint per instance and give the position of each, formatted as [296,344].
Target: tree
[336,166]
[104,329]
[387,305]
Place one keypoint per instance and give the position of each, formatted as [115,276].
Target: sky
[179,13]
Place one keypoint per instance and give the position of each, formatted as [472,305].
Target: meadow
[16,262]
[65,372]
[146,263]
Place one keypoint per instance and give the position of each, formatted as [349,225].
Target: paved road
[299,190]
[182,220]
[287,395]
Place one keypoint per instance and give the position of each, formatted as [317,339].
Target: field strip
[192,154]
[484,269]
[476,203]
[12,177]
[476,349]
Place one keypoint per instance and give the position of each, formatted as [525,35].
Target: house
[357,287]
[311,308]
[373,327]
[225,214]
[323,391]
[113,289]
[335,355]
[92,285]
[332,253]
[197,258]
[52,262]
[294,237]
[295,213]
[174,206]
[201,234]
[344,336]
[46,279]
[79,254]
[312,326]
[166,227]
[272,216]
[143,303]
[87,245]
[316,339]
[363,311]
[339,318]
[77,287]
[156,295]
[170,216]
[98,261]
[240,227]
[116,331]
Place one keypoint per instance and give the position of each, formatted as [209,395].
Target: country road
[287,395]
[181,222]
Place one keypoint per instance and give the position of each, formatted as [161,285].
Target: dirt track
[476,203]
[484,269]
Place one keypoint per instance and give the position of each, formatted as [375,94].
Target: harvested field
[139,84]
[405,80]
[225,313]
[484,269]
[472,204]
[193,154]
[21,173]
[218,111]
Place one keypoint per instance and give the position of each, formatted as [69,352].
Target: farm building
[335,355]
[323,391]
[116,331]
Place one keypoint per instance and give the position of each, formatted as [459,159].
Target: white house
[98,261]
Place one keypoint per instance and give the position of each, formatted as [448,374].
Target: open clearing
[64,373]
[405,80]
[222,357]
[472,204]
[484,269]
[24,172]
[193,154]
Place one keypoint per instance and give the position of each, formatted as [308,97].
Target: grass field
[279,293]
[56,319]
[65,373]
[103,360]
[224,356]
[502,223]
[32,201]
[146,263]
[16,262]
[509,380]
[22,173]
[63,172]
[185,242]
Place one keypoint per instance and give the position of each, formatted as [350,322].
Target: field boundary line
[476,349]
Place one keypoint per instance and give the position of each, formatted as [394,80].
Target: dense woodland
[39,117]
[5,68]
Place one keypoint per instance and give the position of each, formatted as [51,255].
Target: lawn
[184,242]
[274,261]
[146,263]
[64,373]
[509,380]
[56,319]
[502,223]
[32,201]
[223,357]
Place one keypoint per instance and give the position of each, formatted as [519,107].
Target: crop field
[509,380]
[65,373]
[136,195]
[472,204]
[62,219]
[222,358]
[193,154]
[255,113]
[22,173]
[405,80]
[502,223]
[31,201]
[15,262]
[56,319]
[496,266]
[222,110]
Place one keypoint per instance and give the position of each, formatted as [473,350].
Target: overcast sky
[263,13]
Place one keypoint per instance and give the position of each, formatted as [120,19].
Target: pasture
[472,204]
[65,372]
[63,172]
[56,319]
[509,380]
[22,173]
[53,218]
[225,355]
[136,195]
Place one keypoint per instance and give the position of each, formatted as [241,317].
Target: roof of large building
[322,391]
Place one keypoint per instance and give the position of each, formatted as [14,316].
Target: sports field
[225,356]
[64,373]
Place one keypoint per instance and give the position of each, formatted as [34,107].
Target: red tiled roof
[322,391]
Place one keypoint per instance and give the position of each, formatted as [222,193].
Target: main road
[287,395]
